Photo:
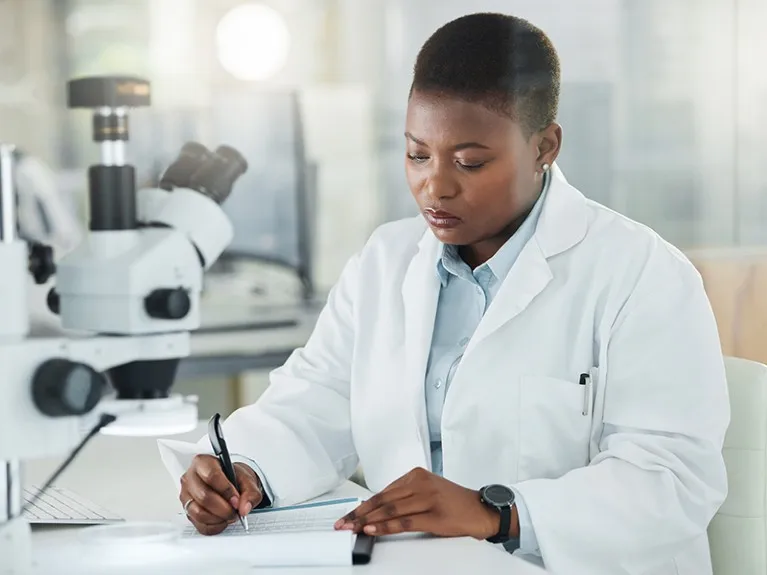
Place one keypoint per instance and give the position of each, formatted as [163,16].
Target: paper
[299,535]
[317,516]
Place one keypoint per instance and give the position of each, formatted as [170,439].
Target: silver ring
[186,507]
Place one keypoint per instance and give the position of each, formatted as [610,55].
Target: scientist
[517,364]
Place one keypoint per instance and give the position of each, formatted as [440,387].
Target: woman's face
[473,172]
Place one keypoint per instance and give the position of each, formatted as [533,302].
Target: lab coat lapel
[420,292]
[527,278]
[563,223]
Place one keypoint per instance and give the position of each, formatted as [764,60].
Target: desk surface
[127,476]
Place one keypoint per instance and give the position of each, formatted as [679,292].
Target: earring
[545,168]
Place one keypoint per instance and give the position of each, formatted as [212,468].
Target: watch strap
[503,531]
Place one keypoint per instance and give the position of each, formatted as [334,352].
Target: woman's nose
[441,186]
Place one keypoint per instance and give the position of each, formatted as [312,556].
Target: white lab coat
[628,488]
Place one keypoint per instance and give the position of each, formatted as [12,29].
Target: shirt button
[438,384]
[464,341]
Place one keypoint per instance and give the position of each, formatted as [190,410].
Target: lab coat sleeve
[266,489]
[658,477]
[299,431]
[528,542]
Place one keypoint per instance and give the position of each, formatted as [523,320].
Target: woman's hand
[424,502]
[210,501]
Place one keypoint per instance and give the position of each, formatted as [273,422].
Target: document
[298,535]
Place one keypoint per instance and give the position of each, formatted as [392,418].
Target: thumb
[250,488]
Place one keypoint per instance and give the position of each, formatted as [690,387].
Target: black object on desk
[363,549]
[216,436]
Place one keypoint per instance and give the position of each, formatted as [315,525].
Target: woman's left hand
[424,502]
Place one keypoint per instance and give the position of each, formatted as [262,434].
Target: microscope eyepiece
[211,173]
[189,159]
[215,178]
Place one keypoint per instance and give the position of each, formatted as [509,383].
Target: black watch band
[503,532]
[500,498]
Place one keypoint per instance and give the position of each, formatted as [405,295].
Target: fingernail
[338,524]
[248,508]
[370,529]
[235,502]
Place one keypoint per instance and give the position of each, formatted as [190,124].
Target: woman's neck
[479,253]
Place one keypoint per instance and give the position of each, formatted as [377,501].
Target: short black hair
[497,60]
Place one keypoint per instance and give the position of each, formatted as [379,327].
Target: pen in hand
[217,442]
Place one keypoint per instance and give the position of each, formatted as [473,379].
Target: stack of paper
[299,535]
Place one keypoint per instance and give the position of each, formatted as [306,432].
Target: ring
[186,507]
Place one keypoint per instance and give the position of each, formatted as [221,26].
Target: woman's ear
[549,144]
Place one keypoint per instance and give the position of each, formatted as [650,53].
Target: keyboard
[60,506]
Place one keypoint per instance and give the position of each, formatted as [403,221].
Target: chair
[738,533]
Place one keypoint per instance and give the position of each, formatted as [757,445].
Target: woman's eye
[418,159]
[471,165]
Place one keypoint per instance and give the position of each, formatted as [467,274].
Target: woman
[517,364]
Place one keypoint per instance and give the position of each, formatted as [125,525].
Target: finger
[376,501]
[408,506]
[209,470]
[213,529]
[251,493]
[208,499]
[198,514]
[420,522]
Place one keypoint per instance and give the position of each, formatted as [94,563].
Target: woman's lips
[441,219]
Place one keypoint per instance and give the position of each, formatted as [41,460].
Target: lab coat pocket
[554,426]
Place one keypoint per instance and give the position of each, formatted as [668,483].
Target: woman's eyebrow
[456,148]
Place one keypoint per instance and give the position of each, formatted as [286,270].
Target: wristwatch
[501,498]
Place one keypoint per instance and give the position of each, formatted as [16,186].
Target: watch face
[498,495]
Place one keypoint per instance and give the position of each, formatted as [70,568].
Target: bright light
[253,42]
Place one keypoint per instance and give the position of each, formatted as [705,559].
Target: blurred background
[663,109]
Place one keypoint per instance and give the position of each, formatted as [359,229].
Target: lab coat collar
[564,219]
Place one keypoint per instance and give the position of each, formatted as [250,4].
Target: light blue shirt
[464,297]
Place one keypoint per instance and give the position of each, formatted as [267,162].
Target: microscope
[127,298]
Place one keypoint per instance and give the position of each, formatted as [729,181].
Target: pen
[216,436]
[585,381]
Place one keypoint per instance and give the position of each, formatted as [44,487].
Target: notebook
[297,535]
[60,506]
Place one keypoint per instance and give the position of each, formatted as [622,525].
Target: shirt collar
[501,263]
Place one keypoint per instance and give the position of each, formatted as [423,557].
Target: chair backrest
[738,533]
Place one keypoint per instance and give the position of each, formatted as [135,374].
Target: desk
[139,488]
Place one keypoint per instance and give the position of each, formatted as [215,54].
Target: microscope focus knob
[168,303]
[41,264]
[61,387]
[53,300]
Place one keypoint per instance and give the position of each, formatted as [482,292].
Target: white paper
[301,535]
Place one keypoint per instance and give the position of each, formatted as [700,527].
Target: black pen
[216,436]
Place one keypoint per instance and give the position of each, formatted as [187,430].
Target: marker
[216,436]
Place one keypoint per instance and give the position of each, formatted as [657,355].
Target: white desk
[127,476]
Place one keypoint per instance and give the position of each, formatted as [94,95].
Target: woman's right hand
[215,502]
